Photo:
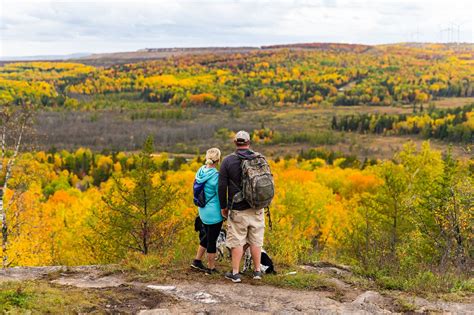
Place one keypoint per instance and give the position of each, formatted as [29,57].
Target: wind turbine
[417,33]
[415,36]
[458,28]
[440,27]
[448,33]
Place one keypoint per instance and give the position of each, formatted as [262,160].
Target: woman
[210,214]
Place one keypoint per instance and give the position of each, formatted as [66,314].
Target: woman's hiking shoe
[257,275]
[197,264]
[234,277]
[212,271]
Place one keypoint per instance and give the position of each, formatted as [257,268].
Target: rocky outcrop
[209,297]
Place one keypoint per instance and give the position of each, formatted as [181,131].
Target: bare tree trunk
[24,119]
[367,236]
[394,228]
[4,134]
[145,224]
[460,258]
[3,217]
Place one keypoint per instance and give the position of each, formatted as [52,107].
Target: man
[245,225]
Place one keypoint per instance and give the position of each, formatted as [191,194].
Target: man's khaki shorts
[245,226]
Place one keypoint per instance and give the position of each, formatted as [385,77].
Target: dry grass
[41,297]
[115,130]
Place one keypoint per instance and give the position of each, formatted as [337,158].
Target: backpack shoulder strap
[235,185]
[241,159]
[256,154]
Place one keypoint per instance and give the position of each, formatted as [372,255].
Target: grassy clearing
[144,268]
[41,297]
[405,305]
[120,122]
[453,102]
[447,286]
[428,283]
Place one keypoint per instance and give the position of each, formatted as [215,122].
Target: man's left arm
[223,185]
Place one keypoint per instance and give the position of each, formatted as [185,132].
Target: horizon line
[269,46]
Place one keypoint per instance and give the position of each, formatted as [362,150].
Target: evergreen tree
[140,216]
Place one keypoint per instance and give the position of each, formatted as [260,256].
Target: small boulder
[156,311]
[166,288]
[369,297]
[90,283]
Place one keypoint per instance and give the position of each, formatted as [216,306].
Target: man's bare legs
[256,252]
[237,253]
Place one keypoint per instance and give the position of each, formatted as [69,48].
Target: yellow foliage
[315,209]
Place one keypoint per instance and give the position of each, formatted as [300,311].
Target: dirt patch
[129,299]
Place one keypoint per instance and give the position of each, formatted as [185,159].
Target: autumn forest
[370,148]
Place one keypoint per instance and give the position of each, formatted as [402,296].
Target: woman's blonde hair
[213,155]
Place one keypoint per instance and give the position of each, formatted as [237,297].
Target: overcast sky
[44,27]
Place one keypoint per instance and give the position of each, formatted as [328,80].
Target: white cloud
[59,27]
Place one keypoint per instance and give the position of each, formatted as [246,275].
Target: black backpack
[199,194]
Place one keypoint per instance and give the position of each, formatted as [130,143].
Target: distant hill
[44,57]
[158,53]
[109,59]
[323,46]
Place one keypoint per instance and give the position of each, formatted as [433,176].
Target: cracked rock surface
[209,297]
